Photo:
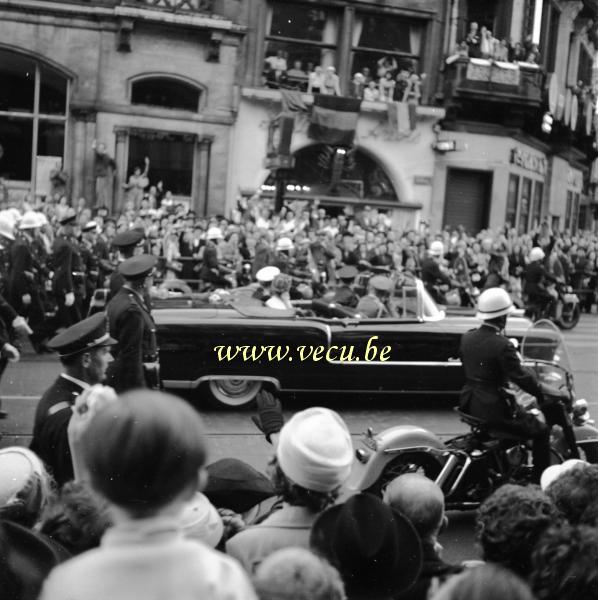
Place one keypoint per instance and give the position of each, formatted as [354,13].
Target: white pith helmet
[494,302]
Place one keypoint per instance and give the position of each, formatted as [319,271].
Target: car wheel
[233,393]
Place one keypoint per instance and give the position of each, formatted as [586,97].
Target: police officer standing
[84,351]
[344,293]
[490,362]
[126,244]
[67,284]
[90,260]
[136,355]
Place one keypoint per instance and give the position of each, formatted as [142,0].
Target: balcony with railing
[476,79]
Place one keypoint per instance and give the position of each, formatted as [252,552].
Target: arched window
[166,92]
[33,114]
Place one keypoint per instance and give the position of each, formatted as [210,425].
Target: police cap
[347,272]
[381,283]
[267,274]
[89,226]
[127,238]
[83,336]
[68,218]
[137,267]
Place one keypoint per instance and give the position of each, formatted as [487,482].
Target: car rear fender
[376,451]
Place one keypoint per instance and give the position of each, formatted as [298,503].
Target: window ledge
[423,112]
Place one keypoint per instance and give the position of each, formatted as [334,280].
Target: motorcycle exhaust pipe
[447,470]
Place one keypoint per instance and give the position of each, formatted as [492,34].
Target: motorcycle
[470,467]
[564,312]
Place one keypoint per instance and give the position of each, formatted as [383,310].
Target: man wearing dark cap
[126,244]
[84,351]
[344,294]
[89,235]
[68,283]
[131,323]
[374,304]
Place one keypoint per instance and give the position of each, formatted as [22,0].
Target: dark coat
[432,274]
[22,276]
[50,439]
[490,361]
[132,325]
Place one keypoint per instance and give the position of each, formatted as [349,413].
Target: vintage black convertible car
[233,349]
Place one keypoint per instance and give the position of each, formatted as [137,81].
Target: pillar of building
[120,158]
[201,175]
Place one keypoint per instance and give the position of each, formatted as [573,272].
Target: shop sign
[528,161]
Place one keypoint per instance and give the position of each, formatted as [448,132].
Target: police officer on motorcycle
[490,362]
[535,278]
[432,275]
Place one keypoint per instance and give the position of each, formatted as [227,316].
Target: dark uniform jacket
[68,268]
[50,439]
[131,323]
[535,277]
[490,361]
[432,273]
[22,279]
[345,296]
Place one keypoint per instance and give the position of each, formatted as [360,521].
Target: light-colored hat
[7,226]
[437,248]
[494,302]
[200,520]
[41,219]
[267,274]
[30,220]
[19,467]
[315,450]
[536,253]
[553,472]
[284,243]
[214,233]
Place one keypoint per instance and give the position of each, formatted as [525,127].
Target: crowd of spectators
[311,243]
[144,519]
[389,81]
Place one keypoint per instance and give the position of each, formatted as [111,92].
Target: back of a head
[510,522]
[564,564]
[420,499]
[486,582]
[143,451]
[297,574]
[575,491]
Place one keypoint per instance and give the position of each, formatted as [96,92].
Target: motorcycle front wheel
[569,316]
[410,462]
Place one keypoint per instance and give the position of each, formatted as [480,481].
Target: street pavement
[233,433]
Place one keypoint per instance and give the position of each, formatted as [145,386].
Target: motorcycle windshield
[543,341]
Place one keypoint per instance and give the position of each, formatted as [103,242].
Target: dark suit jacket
[50,440]
[490,361]
[22,273]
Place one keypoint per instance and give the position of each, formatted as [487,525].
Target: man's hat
[127,238]
[83,336]
[89,226]
[236,485]
[267,274]
[381,283]
[30,220]
[137,267]
[347,272]
[375,548]
[69,218]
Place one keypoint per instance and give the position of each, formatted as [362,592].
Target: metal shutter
[467,199]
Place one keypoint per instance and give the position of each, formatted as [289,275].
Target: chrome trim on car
[192,384]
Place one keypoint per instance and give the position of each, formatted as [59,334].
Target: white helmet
[284,243]
[536,254]
[7,227]
[30,220]
[494,302]
[437,248]
[214,233]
